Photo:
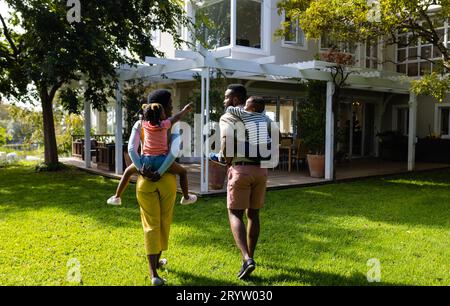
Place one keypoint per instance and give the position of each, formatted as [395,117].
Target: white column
[203,186]
[204,124]
[351,125]
[329,133]
[207,110]
[87,134]
[363,128]
[118,132]
[412,131]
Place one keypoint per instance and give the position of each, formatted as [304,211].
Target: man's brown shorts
[246,187]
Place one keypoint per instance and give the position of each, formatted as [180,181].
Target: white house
[244,30]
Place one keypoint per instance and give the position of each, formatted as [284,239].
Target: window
[249,23]
[346,47]
[401,119]
[414,57]
[214,22]
[372,55]
[216,27]
[295,37]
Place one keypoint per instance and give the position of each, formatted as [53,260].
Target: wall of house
[387,60]
[288,54]
[425,115]
[166,45]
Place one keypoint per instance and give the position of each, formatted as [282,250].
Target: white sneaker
[192,199]
[114,201]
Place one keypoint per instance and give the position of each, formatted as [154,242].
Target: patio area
[279,179]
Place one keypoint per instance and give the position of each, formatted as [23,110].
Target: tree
[367,20]
[4,137]
[45,51]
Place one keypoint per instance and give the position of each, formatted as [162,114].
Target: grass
[322,235]
[24,153]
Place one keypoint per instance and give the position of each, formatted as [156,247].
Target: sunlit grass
[418,183]
[321,235]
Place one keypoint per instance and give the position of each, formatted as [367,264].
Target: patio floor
[278,179]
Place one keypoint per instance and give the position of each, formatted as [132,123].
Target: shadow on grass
[72,191]
[314,278]
[415,199]
[190,279]
[289,275]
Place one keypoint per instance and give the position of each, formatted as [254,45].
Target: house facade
[246,28]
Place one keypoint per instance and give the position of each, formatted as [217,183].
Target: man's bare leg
[253,228]
[237,225]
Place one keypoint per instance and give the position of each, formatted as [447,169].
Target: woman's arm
[174,150]
[175,118]
[133,145]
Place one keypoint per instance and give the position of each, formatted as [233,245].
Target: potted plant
[311,125]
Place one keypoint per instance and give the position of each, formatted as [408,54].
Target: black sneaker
[247,267]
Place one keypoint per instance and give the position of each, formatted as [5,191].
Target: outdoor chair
[285,150]
[300,153]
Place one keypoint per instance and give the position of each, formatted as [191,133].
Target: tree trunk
[51,152]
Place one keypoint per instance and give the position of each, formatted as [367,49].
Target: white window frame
[372,46]
[395,110]
[294,44]
[437,119]
[419,46]
[354,54]
[265,29]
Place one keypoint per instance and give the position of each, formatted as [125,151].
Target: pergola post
[87,134]
[412,131]
[329,133]
[204,144]
[118,132]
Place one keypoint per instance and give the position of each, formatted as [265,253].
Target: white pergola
[188,64]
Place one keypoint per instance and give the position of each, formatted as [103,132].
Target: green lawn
[310,236]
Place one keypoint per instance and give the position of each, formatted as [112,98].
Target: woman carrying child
[156,156]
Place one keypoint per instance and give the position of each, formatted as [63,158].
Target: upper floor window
[218,24]
[295,36]
[415,56]
[372,55]
[213,18]
[249,23]
[327,43]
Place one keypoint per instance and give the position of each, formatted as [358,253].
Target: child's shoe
[114,201]
[192,199]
